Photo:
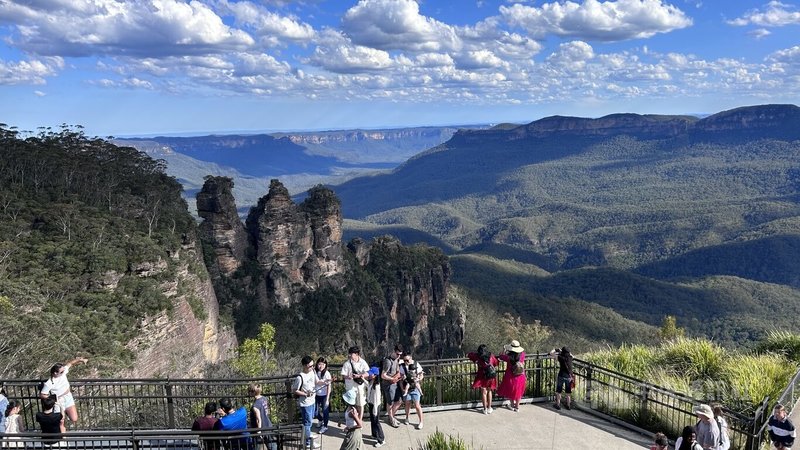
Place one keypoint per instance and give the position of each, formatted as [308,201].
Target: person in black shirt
[565,374]
[52,423]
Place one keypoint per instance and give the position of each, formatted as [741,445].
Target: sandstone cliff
[221,228]
[180,342]
[320,294]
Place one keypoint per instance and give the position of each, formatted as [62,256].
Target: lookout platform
[536,426]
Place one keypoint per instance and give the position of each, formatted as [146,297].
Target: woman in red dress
[513,385]
[486,377]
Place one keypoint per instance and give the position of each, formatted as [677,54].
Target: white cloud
[272,28]
[773,14]
[337,54]
[572,55]
[596,20]
[127,27]
[480,59]
[39,93]
[33,71]
[788,55]
[397,25]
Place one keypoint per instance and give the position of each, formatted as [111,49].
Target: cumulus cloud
[270,27]
[33,71]
[337,54]
[397,25]
[788,55]
[128,27]
[773,14]
[595,20]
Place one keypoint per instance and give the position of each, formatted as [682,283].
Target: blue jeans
[307,415]
[323,412]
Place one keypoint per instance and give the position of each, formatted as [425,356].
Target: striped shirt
[781,431]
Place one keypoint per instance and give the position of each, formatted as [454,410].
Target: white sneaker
[419,426]
[323,429]
[491,410]
[378,444]
[486,411]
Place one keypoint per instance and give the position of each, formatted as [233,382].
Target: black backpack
[489,371]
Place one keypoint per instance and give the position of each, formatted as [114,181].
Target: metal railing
[282,437]
[147,404]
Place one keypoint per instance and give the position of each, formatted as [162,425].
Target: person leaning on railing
[259,418]
[58,385]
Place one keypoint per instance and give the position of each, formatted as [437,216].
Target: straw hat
[704,410]
[515,347]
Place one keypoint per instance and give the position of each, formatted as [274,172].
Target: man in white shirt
[355,372]
[304,386]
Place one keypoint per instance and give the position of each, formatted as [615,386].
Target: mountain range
[645,215]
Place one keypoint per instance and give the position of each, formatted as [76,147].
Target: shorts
[412,396]
[361,394]
[63,402]
[564,384]
[391,393]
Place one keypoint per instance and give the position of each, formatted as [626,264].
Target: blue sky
[140,67]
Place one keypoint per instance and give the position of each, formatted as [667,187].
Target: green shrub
[698,359]
[633,360]
[441,441]
[782,343]
[750,378]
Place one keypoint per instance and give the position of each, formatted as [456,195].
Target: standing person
[355,372]
[707,430]
[353,439]
[513,385]
[486,377]
[3,406]
[51,421]
[303,386]
[724,438]
[323,397]
[206,422]
[564,377]
[390,376]
[14,425]
[233,419]
[58,384]
[374,402]
[259,418]
[687,440]
[781,429]
[412,387]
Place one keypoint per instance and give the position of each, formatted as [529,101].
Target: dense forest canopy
[88,232]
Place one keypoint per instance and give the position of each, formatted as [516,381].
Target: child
[660,442]
[14,424]
[353,439]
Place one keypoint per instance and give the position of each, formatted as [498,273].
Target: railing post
[645,393]
[588,380]
[134,441]
[437,372]
[538,390]
[290,403]
[170,405]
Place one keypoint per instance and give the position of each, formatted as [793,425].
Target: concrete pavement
[535,427]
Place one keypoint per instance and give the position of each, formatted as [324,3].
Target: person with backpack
[374,401]
[565,377]
[486,377]
[390,377]
[513,385]
[707,429]
[304,388]
[724,438]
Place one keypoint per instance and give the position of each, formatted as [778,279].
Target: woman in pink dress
[486,377]
[513,385]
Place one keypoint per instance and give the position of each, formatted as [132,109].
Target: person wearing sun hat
[513,385]
[706,429]
[353,439]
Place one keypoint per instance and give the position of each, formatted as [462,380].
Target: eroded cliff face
[221,228]
[297,246]
[180,342]
[377,294]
